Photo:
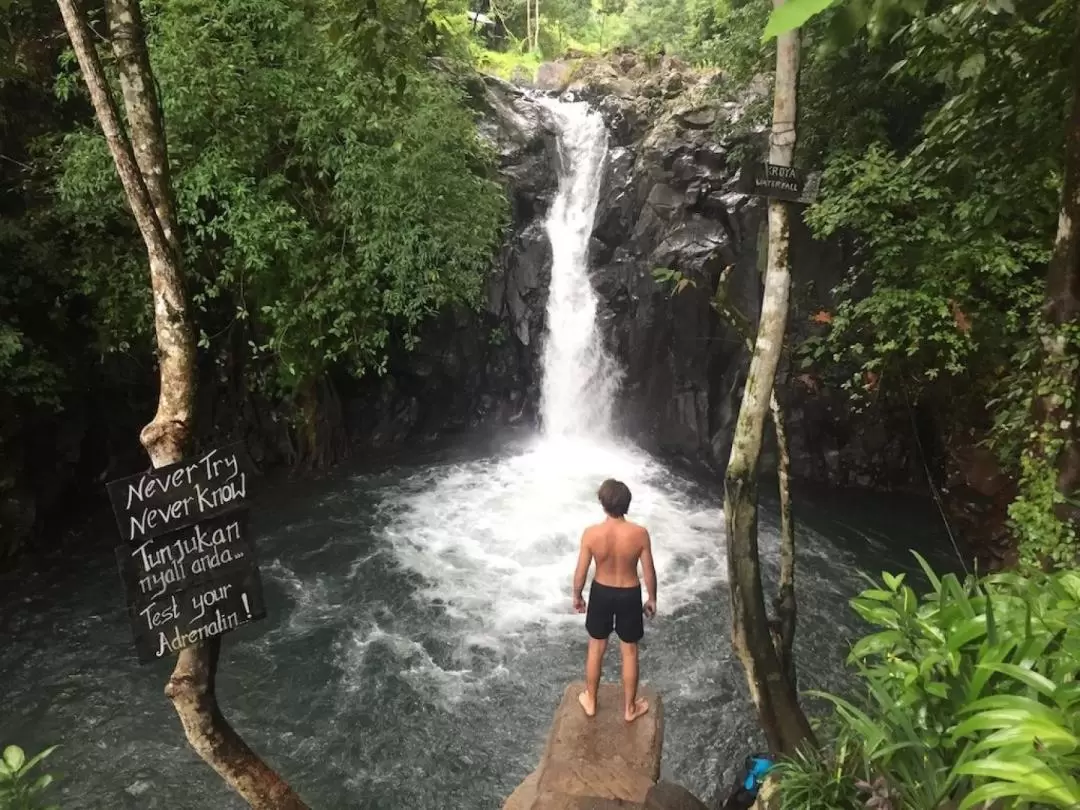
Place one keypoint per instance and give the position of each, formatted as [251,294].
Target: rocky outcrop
[601,762]
[671,200]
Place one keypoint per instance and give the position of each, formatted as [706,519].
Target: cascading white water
[580,380]
[496,539]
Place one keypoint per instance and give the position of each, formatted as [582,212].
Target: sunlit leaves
[793,14]
[872,13]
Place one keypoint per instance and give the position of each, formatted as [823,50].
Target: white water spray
[496,539]
[580,380]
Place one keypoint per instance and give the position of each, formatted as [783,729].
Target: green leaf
[793,14]
[1040,683]
[42,782]
[14,757]
[972,66]
[876,643]
[986,794]
[40,756]
[935,582]
[1033,774]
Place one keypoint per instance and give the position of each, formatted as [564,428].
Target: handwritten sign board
[187,561]
[783,183]
[172,562]
[180,494]
[167,625]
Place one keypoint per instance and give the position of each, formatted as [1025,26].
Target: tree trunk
[143,109]
[1056,409]
[783,629]
[784,604]
[191,689]
[144,175]
[782,719]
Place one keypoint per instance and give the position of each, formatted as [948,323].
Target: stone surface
[595,763]
[525,795]
[669,796]
[554,76]
[604,755]
[561,801]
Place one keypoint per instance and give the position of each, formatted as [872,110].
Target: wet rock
[554,76]
[595,762]
[669,796]
[698,118]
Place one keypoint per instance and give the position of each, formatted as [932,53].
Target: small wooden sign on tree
[782,183]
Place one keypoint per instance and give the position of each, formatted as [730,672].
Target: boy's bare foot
[639,708]
[587,703]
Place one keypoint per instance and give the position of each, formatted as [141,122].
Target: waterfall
[495,539]
[579,378]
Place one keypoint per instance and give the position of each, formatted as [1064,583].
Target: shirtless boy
[615,596]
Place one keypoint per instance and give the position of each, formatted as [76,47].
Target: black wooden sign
[167,625]
[163,565]
[187,562]
[783,183]
[172,497]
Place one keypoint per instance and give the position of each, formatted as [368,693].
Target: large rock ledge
[603,762]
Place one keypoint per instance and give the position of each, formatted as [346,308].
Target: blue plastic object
[759,766]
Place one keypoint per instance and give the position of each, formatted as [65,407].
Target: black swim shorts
[615,608]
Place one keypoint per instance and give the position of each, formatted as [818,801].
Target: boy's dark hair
[614,497]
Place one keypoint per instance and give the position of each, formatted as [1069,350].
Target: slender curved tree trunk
[783,629]
[143,172]
[782,719]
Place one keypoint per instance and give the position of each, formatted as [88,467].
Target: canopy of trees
[331,190]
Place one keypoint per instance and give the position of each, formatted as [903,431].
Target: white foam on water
[496,540]
[315,601]
[416,666]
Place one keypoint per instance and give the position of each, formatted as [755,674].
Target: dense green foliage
[947,187]
[701,31]
[20,788]
[940,129]
[333,194]
[330,187]
[970,694]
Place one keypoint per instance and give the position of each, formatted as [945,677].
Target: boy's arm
[649,568]
[582,570]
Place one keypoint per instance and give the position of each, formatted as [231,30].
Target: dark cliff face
[669,200]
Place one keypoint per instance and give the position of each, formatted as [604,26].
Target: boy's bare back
[615,605]
[616,547]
